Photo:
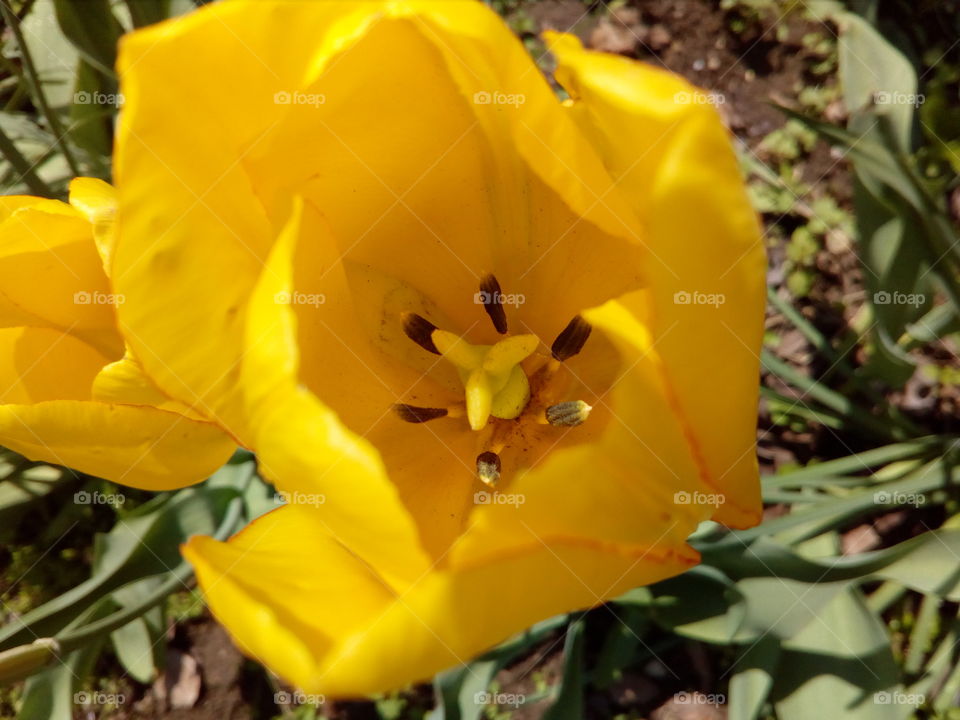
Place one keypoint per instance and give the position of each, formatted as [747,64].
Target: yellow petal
[38,364]
[138,446]
[301,445]
[328,625]
[124,382]
[567,536]
[635,465]
[671,156]
[283,625]
[50,240]
[57,337]
[97,200]
[512,189]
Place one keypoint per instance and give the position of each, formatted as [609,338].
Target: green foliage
[58,89]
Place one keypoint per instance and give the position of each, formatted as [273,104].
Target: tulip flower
[497,350]
[68,392]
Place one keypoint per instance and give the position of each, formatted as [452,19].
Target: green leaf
[927,563]
[49,695]
[143,543]
[17,494]
[148,12]
[93,29]
[95,103]
[460,691]
[843,661]
[826,515]
[569,702]
[783,607]
[140,645]
[620,643]
[716,616]
[875,77]
[932,566]
[133,645]
[54,57]
[751,683]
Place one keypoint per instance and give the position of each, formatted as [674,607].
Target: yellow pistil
[494,382]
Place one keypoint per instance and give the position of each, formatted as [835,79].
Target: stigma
[496,385]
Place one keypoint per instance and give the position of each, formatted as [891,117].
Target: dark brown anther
[571,340]
[492,298]
[414,414]
[488,468]
[419,329]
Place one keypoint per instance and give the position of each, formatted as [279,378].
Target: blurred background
[846,118]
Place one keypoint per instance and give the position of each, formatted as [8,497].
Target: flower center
[496,381]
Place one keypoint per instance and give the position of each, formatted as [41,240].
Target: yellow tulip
[68,392]
[385,255]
